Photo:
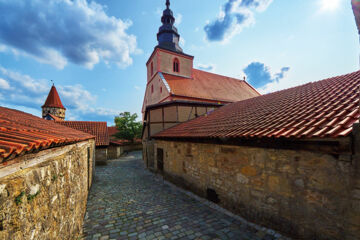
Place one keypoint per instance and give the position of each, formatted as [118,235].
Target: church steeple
[168,36]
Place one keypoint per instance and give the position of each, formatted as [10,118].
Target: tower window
[152,68]
[176,65]
[152,88]
[160,89]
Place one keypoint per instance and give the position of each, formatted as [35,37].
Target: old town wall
[44,195]
[304,194]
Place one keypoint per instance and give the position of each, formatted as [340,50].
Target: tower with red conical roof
[53,105]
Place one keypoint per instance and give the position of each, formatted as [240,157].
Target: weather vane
[52,81]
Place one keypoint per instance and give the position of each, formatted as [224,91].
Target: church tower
[168,57]
[53,106]
[168,36]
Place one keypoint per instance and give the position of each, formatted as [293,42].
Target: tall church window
[176,65]
[152,68]
[152,88]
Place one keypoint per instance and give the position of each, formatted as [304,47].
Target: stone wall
[101,155]
[304,194]
[115,152]
[44,195]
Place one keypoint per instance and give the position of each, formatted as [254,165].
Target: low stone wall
[101,155]
[44,195]
[115,152]
[304,194]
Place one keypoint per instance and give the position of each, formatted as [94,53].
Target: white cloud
[137,88]
[4,84]
[24,92]
[233,17]
[207,67]
[178,19]
[329,5]
[182,42]
[62,31]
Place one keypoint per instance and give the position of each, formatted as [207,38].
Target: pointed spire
[53,99]
[168,36]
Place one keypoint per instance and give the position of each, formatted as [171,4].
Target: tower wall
[58,112]
[162,61]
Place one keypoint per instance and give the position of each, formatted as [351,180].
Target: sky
[95,51]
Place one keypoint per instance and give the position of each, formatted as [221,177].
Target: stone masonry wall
[304,194]
[101,155]
[44,195]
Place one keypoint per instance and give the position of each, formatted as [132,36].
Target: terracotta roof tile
[326,108]
[22,133]
[53,99]
[210,86]
[98,129]
[112,130]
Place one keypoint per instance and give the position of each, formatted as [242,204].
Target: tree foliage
[127,126]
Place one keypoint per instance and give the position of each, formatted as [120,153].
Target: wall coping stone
[31,160]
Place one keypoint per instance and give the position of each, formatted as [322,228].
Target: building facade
[177,92]
[288,160]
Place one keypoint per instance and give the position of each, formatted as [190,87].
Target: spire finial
[167,4]
[52,81]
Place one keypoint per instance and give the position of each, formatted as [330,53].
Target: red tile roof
[323,109]
[123,142]
[53,99]
[210,86]
[98,129]
[112,130]
[22,133]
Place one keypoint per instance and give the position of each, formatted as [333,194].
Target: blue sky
[95,51]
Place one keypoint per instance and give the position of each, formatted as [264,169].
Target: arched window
[176,65]
[160,89]
[152,88]
[152,68]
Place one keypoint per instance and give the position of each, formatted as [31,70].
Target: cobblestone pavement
[128,202]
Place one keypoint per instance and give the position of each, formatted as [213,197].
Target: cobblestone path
[128,202]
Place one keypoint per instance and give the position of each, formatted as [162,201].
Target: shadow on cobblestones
[128,202]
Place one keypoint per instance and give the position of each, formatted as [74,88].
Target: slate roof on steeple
[53,99]
[168,36]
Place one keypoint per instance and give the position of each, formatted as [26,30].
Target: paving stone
[127,201]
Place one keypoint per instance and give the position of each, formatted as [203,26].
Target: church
[176,92]
[288,160]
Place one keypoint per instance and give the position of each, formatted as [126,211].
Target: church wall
[44,195]
[166,64]
[307,195]
[157,95]
[154,61]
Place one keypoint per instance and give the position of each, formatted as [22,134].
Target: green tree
[127,126]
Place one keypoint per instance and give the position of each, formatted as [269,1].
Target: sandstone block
[249,171]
